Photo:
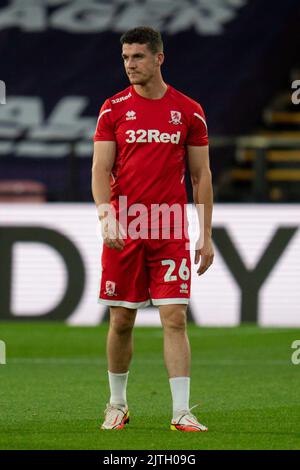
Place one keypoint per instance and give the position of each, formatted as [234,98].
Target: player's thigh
[169,266]
[124,278]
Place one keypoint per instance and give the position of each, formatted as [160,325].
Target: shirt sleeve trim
[101,114]
[201,118]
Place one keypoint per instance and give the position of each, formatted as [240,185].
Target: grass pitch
[54,388]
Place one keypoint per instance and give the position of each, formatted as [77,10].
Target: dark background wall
[61,59]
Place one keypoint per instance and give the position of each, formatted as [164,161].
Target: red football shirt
[151,137]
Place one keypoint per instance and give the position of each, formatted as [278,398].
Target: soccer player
[145,135]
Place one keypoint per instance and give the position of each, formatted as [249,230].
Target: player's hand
[112,232]
[206,253]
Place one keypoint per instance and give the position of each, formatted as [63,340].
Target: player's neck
[153,90]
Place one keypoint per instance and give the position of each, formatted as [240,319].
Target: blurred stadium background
[59,60]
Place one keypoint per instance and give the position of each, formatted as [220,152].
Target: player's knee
[175,319]
[121,326]
[121,322]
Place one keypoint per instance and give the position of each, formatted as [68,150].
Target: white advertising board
[50,262]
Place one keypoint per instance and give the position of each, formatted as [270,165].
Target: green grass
[53,389]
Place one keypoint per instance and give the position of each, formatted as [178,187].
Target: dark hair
[144,35]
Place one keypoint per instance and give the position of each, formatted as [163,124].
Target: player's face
[140,63]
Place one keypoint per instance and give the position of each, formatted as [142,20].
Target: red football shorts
[145,271]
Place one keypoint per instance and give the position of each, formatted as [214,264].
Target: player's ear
[160,58]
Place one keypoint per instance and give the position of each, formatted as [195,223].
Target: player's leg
[176,343]
[119,353]
[169,268]
[169,271]
[177,357]
[177,354]
[124,288]
[119,339]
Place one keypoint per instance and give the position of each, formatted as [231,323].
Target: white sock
[180,389]
[118,385]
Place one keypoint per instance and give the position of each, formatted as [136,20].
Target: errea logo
[184,288]
[130,115]
[152,135]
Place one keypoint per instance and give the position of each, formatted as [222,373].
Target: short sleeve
[105,127]
[197,133]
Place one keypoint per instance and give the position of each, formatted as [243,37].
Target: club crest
[175,118]
[110,288]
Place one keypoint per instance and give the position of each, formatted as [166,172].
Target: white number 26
[184,272]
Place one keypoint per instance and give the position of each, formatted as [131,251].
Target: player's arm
[198,162]
[103,162]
